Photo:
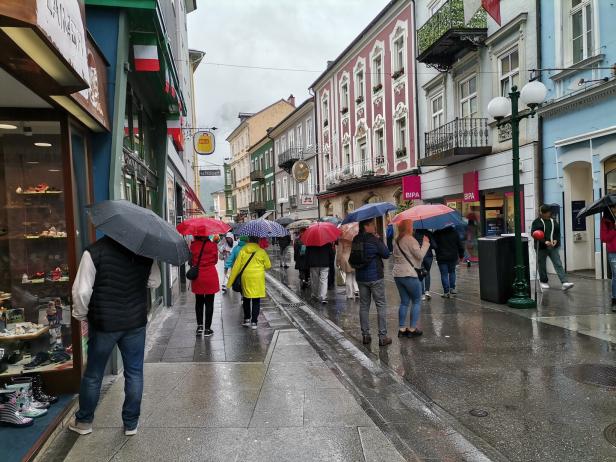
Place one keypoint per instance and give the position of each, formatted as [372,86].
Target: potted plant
[359,99]
[398,73]
[378,87]
[325,123]
[400,152]
[344,110]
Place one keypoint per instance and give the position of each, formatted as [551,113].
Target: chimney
[291,99]
[329,63]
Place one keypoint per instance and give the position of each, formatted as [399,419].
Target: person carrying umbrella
[301,263]
[252,261]
[318,239]
[548,247]
[206,286]
[111,292]
[284,242]
[349,231]
[428,259]
[608,237]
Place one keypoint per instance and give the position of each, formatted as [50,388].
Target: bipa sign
[411,188]
[471,186]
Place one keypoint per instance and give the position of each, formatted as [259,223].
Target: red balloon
[538,234]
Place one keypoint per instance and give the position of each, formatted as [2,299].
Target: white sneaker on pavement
[567,286]
[80,427]
[128,432]
[427,295]
[544,285]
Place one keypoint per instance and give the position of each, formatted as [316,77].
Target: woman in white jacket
[408,255]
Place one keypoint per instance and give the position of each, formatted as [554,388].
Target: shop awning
[190,194]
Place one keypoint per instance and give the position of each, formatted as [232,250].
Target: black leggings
[256,308]
[208,301]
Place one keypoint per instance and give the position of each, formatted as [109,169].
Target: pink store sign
[470,183]
[411,188]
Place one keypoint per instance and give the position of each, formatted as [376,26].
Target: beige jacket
[414,251]
[342,256]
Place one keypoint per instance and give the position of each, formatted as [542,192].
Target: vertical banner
[470,183]
[411,187]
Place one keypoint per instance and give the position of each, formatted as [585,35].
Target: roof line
[301,106]
[256,114]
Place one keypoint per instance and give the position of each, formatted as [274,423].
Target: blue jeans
[100,345]
[410,291]
[448,275]
[611,258]
[427,263]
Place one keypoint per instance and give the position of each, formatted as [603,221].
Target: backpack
[357,258]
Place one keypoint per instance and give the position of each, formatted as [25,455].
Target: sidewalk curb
[460,436]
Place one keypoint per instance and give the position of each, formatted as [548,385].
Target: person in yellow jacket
[253,279]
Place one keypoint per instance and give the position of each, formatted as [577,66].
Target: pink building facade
[365,111]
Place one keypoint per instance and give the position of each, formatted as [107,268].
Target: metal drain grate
[291,305]
[593,374]
[610,434]
[478,413]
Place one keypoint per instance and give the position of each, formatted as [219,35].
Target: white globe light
[533,93]
[499,107]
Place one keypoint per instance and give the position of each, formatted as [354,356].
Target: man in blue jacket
[367,253]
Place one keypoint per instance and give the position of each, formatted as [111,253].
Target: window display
[35,314]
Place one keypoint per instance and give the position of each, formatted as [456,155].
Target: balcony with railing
[289,157]
[361,172]
[257,206]
[446,35]
[456,141]
[257,175]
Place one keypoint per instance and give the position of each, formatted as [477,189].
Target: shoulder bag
[237,284]
[193,272]
[421,271]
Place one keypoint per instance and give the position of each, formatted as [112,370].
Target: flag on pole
[493,9]
[174,128]
[470,8]
[145,49]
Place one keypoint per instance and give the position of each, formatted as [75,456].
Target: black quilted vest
[120,297]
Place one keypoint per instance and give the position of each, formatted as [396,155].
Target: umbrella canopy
[202,227]
[285,221]
[597,206]
[140,230]
[262,228]
[368,211]
[430,216]
[319,234]
[349,231]
[334,220]
[300,224]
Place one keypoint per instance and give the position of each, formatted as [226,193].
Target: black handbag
[193,272]
[237,284]
[421,271]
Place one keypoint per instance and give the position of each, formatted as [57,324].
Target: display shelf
[33,238]
[46,281]
[24,337]
[19,368]
[43,193]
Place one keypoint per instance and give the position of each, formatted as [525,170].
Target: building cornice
[583,98]
[306,107]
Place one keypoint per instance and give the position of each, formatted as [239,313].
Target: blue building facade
[578,52]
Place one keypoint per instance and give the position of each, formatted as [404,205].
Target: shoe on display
[14,357]
[23,390]
[38,391]
[81,428]
[59,357]
[9,411]
[253,325]
[544,285]
[567,286]
[246,323]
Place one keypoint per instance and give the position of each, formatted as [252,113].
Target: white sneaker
[424,298]
[253,326]
[567,286]
[80,427]
[544,285]
[246,323]
[453,291]
[427,295]
[130,432]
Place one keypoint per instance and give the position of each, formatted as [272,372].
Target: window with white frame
[278,189]
[363,154]
[285,190]
[325,112]
[272,158]
[309,132]
[434,6]
[283,143]
[580,29]
[377,71]
[379,145]
[359,86]
[468,97]
[399,54]
[346,152]
[298,136]
[310,181]
[344,95]
[401,137]
[277,146]
[437,111]
[509,71]
[291,139]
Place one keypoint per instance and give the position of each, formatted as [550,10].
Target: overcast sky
[292,34]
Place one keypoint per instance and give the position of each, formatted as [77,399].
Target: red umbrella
[320,233]
[202,227]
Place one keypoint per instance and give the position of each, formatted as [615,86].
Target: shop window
[35,287]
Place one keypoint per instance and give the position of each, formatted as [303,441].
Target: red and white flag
[493,9]
[146,53]
[174,128]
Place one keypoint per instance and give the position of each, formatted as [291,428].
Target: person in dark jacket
[427,261]
[370,279]
[284,243]
[299,255]
[318,259]
[111,292]
[548,247]
[449,250]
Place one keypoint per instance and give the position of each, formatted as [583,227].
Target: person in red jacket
[608,237]
[206,285]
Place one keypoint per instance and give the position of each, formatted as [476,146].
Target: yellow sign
[204,143]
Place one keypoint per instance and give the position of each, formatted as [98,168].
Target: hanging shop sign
[307,199]
[411,187]
[214,172]
[470,183]
[300,171]
[205,143]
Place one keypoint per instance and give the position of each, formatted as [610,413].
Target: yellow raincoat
[253,277]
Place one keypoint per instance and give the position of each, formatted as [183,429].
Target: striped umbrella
[262,228]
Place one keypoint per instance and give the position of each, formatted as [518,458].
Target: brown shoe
[366,339]
[383,341]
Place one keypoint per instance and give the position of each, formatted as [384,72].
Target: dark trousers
[208,301]
[256,308]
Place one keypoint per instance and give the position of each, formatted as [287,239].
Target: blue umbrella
[439,222]
[262,228]
[368,211]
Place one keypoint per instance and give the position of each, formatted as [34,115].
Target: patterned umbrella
[262,228]
[202,227]
[430,216]
[300,224]
[319,234]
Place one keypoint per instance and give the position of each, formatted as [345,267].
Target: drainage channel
[417,426]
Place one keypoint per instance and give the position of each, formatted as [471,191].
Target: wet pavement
[520,367]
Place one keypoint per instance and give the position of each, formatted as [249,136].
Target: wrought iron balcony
[360,172]
[257,206]
[257,175]
[289,157]
[456,141]
[445,35]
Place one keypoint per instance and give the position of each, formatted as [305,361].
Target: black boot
[38,391]
[614,305]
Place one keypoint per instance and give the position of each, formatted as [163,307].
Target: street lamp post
[532,95]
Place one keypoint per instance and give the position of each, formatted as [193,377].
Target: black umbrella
[140,230]
[285,221]
[597,206]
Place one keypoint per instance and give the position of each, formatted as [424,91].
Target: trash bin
[497,267]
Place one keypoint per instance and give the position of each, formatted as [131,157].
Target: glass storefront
[35,286]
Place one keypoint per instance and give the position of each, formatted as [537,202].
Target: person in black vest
[111,293]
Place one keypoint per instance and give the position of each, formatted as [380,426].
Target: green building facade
[263,194]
